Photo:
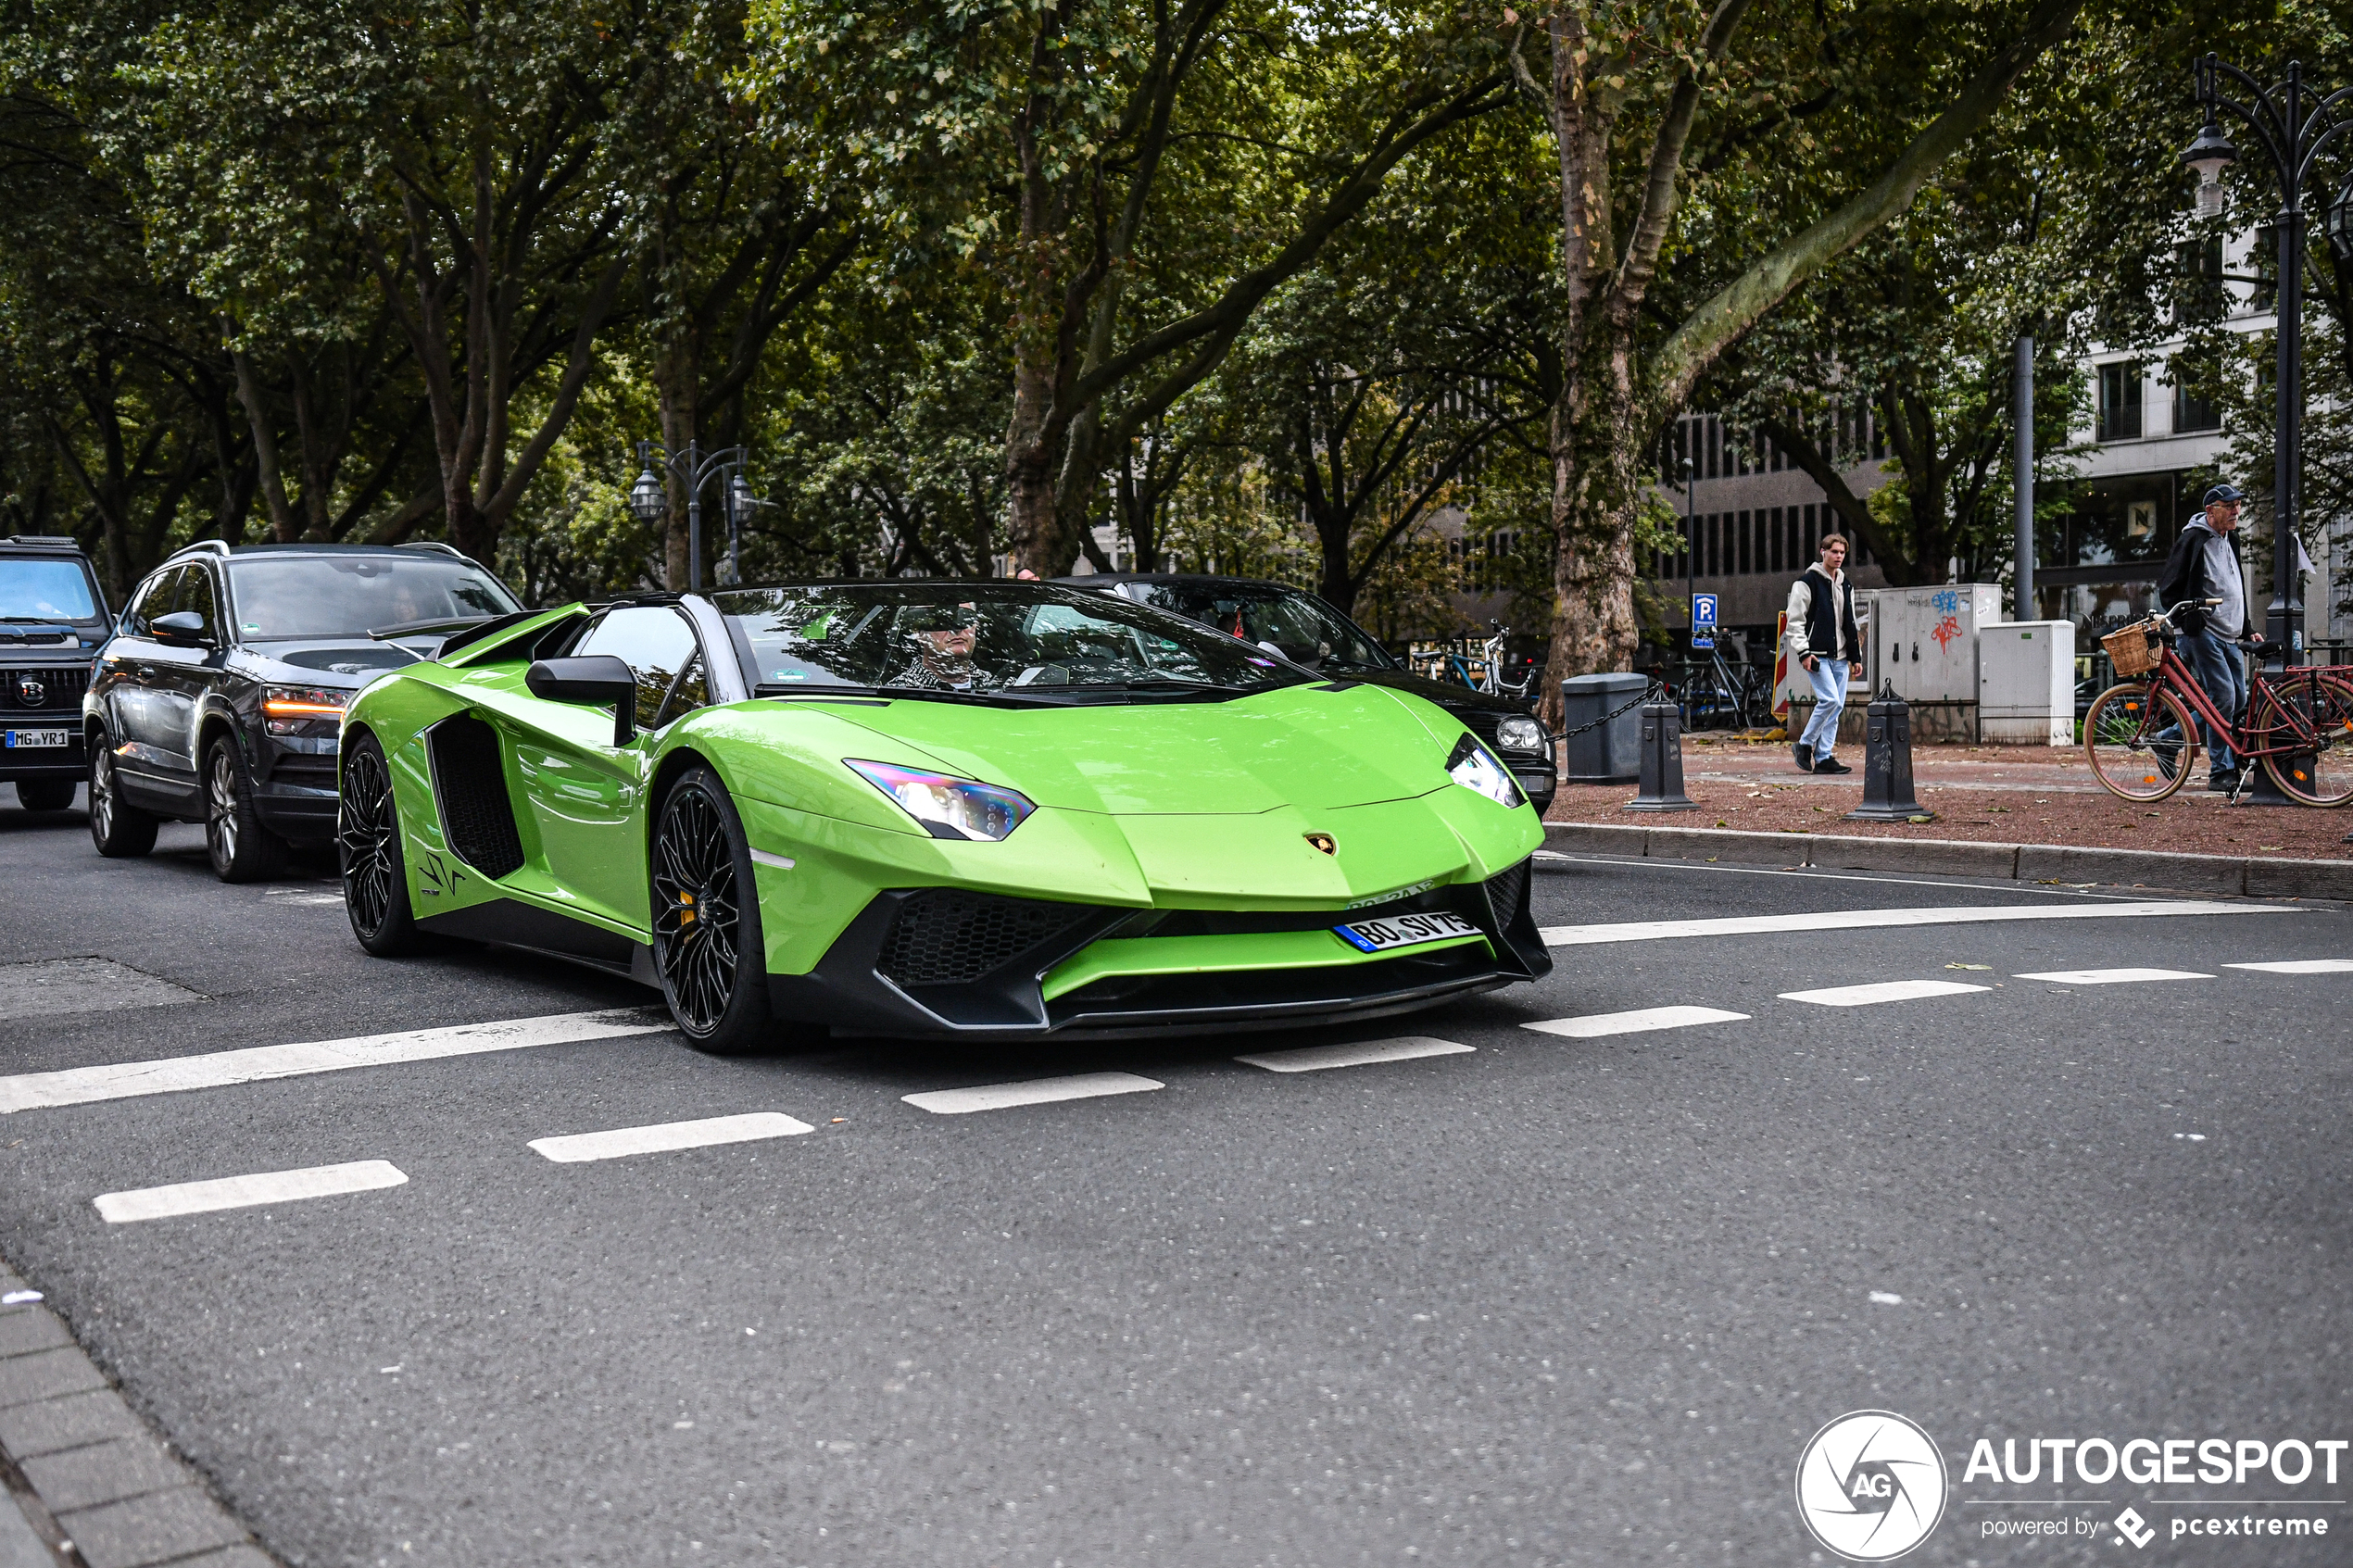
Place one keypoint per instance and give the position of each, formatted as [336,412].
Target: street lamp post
[2292,136]
[649,499]
[1691,540]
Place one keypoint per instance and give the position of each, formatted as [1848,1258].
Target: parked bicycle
[2142,734]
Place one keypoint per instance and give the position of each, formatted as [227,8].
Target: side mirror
[595,680]
[181,629]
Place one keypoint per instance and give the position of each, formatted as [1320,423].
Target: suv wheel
[117,827]
[45,795]
[241,850]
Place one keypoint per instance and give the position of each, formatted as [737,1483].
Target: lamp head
[648,500]
[2211,153]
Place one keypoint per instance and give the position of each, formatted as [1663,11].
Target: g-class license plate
[1403,931]
[22,739]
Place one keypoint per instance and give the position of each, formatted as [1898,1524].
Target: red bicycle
[2142,734]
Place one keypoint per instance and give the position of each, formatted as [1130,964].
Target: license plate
[1403,931]
[22,739]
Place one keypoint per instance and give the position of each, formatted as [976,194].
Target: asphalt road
[1550,1300]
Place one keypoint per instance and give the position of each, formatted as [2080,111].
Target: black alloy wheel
[706,920]
[45,795]
[375,878]
[241,850]
[117,827]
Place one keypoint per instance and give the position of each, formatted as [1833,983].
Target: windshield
[45,590]
[1303,627]
[989,635]
[341,596]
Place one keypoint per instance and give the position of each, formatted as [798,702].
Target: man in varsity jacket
[1823,639]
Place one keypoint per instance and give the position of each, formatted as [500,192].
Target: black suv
[220,696]
[52,618]
[1308,631]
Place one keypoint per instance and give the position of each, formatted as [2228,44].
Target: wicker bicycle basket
[2133,649]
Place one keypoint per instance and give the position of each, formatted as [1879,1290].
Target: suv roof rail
[47,541]
[202,546]
[432,544]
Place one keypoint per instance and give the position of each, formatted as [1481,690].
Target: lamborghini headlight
[949,807]
[1471,767]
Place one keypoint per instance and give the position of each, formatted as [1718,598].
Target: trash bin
[1610,753]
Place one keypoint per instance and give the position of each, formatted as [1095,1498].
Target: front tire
[241,850]
[45,795]
[375,876]
[706,921]
[119,829]
[2123,732]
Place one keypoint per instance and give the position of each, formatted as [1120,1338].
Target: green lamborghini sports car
[972,810]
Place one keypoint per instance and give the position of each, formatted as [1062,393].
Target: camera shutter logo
[1870,1485]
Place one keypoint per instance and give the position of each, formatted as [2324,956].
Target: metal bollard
[1887,762]
[1662,761]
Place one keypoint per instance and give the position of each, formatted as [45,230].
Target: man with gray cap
[2205,565]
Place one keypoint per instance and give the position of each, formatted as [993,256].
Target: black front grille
[943,937]
[59,688]
[475,808]
[1508,893]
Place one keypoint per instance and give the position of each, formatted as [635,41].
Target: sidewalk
[1984,795]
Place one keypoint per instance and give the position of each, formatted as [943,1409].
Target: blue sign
[1703,620]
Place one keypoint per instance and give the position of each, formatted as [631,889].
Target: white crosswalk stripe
[2111,976]
[1594,1026]
[132,1080]
[1366,1053]
[1874,920]
[1036,1091]
[1879,991]
[661,1137]
[247,1192]
[2299,966]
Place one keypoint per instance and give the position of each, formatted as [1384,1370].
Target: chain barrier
[1657,693]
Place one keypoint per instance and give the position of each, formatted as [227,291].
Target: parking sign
[1703,620]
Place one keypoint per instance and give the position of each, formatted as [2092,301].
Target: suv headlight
[1520,732]
[949,807]
[286,710]
[1471,767]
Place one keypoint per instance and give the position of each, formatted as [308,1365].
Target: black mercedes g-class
[53,617]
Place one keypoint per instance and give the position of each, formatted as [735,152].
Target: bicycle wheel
[2126,739]
[2323,705]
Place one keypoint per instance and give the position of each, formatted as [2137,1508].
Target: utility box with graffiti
[1923,642]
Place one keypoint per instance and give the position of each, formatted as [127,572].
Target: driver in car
[943,638]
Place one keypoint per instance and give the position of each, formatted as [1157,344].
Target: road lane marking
[2111,976]
[2299,966]
[247,1192]
[1366,1053]
[577,1147]
[1036,1091]
[1596,1025]
[1872,919]
[131,1080]
[1879,991]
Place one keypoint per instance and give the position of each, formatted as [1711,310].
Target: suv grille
[59,688]
[946,937]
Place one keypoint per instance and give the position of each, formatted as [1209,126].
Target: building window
[2120,401]
[2192,412]
[2197,282]
[1745,567]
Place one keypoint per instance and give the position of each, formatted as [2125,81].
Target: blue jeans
[2221,670]
[1828,677]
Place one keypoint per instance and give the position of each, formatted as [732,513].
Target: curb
[95,1487]
[2253,877]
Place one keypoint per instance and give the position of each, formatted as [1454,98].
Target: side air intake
[471,782]
[945,938]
